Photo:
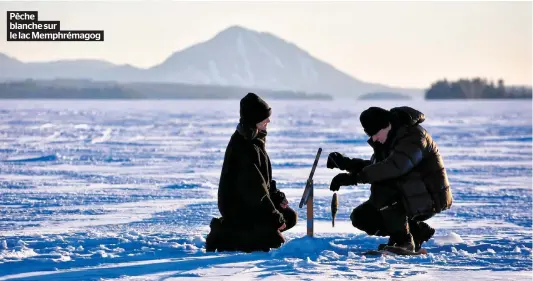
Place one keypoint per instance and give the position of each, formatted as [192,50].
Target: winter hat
[374,119]
[254,109]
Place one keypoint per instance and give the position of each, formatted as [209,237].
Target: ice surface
[125,190]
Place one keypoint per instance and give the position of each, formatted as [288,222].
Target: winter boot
[213,238]
[404,244]
[389,243]
[245,238]
[422,232]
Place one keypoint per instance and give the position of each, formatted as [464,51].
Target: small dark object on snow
[388,250]
[334,208]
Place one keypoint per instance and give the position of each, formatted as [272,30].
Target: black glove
[355,165]
[342,179]
[277,219]
[335,160]
[276,195]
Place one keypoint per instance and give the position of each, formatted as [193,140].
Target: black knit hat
[374,119]
[254,109]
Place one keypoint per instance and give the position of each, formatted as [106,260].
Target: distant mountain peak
[233,33]
[235,56]
[237,29]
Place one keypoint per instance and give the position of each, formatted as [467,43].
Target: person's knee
[365,219]
[291,218]
[357,219]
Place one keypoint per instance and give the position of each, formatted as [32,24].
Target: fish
[334,208]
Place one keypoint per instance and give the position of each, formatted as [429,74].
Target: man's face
[381,135]
[263,124]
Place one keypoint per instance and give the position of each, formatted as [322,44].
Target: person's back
[228,201]
[430,169]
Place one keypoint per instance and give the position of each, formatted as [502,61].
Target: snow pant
[247,236]
[290,216]
[391,221]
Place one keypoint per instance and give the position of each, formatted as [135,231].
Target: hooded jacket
[408,163]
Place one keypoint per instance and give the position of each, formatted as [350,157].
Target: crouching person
[254,211]
[408,180]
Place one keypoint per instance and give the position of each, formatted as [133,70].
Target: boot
[389,243]
[213,238]
[422,232]
[231,237]
[404,243]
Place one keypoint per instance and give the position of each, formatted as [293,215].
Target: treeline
[88,89]
[476,88]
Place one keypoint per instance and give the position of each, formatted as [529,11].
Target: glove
[277,219]
[276,195]
[278,198]
[352,165]
[342,179]
[335,160]
[355,165]
[273,185]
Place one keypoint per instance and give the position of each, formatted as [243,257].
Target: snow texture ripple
[125,190]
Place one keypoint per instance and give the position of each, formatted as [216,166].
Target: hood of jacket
[408,116]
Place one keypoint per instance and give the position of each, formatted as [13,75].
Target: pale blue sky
[409,44]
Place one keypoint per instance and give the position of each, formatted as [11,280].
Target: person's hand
[334,160]
[284,204]
[342,179]
[282,227]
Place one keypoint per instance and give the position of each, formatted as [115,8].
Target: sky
[402,44]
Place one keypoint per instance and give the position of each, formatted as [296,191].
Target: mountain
[12,69]
[236,56]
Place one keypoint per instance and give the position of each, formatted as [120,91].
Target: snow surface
[125,190]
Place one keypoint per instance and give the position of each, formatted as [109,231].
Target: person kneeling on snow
[408,180]
[254,211]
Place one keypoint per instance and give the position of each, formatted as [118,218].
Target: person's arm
[277,196]
[355,165]
[254,192]
[352,165]
[404,157]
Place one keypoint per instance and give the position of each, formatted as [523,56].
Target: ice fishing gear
[309,183]
[334,208]
[307,197]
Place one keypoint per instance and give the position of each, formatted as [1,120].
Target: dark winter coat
[408,163]
[247,195]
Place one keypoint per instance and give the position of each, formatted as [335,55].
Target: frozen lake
[107,190]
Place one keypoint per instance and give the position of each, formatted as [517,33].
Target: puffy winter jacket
[409,161]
